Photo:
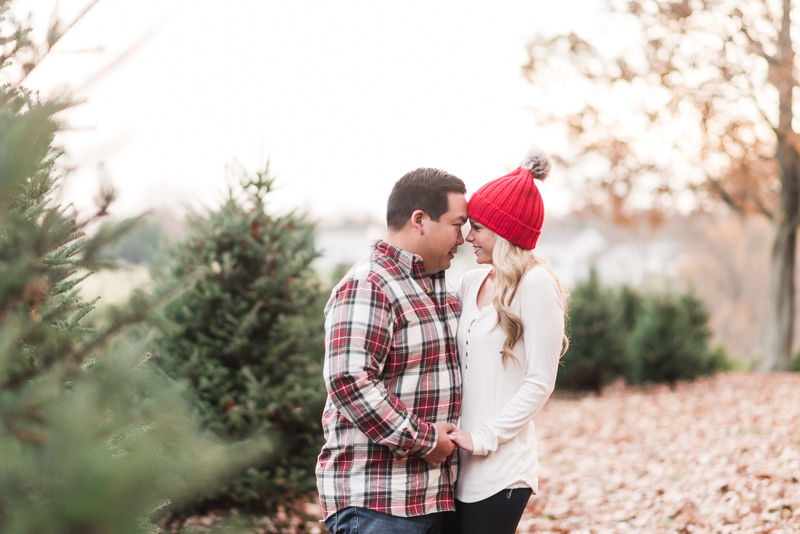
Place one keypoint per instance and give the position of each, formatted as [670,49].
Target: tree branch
[760,205]
[726,197]
[54,36]
[756,45]
[731,202]
[758,107]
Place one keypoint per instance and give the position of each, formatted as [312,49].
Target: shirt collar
[410,263]
[406,260]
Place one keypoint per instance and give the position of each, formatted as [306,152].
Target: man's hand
[444,445]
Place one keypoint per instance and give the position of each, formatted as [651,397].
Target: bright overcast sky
[342,97]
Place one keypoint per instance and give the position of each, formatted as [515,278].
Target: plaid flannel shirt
[391,369]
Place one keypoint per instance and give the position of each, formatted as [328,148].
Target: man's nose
[460,238]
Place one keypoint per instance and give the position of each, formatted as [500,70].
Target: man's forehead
[456,199]
[457,205]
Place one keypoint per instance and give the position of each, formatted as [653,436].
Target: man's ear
[417,219]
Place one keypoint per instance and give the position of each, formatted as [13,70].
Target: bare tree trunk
[778,341]
[780,326]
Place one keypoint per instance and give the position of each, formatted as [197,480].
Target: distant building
[573,246]
[342,243]
[572,251]
[345,242]
[620,257]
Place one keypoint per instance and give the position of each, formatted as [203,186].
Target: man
[391,369]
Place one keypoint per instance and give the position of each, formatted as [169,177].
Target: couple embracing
[431,395]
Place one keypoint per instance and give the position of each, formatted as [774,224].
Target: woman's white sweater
[499,403]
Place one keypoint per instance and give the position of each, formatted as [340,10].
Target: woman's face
[482,240]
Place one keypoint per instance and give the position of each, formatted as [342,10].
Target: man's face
[442,237]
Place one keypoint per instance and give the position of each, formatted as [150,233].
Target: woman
[510,340]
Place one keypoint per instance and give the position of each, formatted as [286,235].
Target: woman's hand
[462,438]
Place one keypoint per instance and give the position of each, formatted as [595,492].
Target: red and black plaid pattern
[391,369]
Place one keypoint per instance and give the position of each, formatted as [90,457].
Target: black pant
[498,514]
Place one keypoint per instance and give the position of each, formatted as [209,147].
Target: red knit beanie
[511,205]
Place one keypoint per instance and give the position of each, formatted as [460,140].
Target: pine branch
[54,35]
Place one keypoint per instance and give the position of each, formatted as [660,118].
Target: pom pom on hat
[511,205]
[537,163]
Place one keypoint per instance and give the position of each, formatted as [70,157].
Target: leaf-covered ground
[719,455]
[716,455]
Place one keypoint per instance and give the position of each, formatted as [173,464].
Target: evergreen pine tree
[92,437]
[249,338]
[597,330]
[648,336]
[670,339]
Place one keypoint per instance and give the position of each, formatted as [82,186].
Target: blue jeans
[355,520]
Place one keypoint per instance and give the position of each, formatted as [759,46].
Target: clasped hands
[448,438]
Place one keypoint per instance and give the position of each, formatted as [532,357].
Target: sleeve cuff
[427,437]
[423,444]
[477,444]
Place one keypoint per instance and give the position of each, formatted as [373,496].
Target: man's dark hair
[421,189]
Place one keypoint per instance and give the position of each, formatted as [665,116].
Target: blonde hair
[511,262]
